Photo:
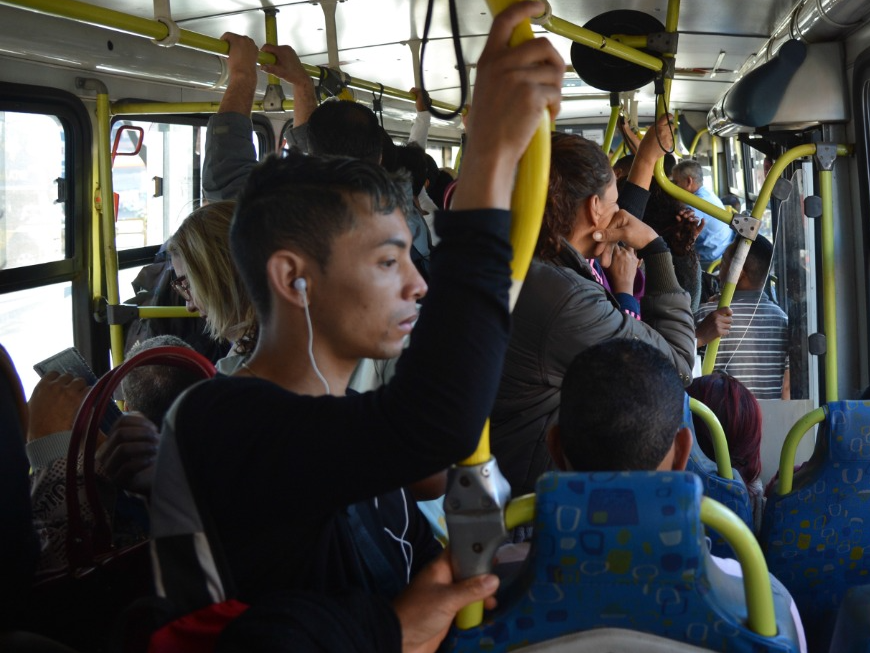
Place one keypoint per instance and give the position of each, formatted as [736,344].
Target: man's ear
[682,448]
[282,269]
[554,445]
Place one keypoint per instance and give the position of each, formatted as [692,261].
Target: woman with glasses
[207,280]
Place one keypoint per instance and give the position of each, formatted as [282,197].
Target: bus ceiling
[383,47]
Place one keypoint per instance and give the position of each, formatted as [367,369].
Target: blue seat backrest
[622,550]
[731,493]
[816,538]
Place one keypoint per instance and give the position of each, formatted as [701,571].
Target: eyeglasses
[182,286]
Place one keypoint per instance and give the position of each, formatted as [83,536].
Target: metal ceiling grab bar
[477,493]
[157,31]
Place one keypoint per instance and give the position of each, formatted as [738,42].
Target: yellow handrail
[611,129]
[527,206]
[519,511]
[761,617]
[736,267]
[697,140]
[717,435]
[596,41]
[144,108]
[790,445]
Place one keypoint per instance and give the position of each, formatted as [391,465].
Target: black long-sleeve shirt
[251,479]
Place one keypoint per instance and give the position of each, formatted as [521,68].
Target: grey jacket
[561,311]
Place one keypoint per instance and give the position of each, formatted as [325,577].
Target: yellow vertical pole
[527,206]
[272,37]
[829,289]
[107,223]
[611,129]
[671,21]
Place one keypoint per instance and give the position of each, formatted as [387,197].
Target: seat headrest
[847,430]
[624,522]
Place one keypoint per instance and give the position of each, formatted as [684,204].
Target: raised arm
[658,141]
[229,149]
[242,64]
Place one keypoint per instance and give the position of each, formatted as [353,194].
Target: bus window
[735,168]
[34,324]
[158,187]
[32,222]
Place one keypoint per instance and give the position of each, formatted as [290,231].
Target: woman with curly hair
[564,306]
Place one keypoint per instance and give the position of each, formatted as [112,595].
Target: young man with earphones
[256,472]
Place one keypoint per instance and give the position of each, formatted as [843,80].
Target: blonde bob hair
[203,243]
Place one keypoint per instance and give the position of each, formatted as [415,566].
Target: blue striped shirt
[755,351]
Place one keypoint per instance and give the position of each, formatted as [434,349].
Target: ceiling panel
[371,34]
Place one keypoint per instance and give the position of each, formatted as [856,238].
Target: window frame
[78,166]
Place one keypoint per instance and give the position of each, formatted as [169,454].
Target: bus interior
[118,93]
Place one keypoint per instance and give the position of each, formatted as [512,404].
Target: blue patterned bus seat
[816,538]
[623,550]
[731,493]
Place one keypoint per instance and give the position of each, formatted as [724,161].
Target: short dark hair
[623,166]
[730,199]
[757,264]
[305,202]
[345,128]
[622,405]
[151,389]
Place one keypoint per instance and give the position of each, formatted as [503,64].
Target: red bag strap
[84,544]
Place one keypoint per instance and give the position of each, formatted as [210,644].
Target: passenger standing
[716,235]
[256,472]
[755,351]
[563,308]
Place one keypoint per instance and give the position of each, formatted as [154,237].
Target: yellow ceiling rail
[599,42]
[153,29]
[137,108]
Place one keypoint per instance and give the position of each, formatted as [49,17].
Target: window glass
[159,186]
[156,188]
[735,170]
[32,221]
[34,324]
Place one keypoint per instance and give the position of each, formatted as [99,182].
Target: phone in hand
[70,361]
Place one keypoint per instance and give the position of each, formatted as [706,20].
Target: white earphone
[300,284]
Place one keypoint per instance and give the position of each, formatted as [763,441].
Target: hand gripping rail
[477,493]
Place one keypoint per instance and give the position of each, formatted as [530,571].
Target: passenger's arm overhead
[658,141]
[420,127]
[229,150]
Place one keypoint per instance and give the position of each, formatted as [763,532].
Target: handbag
[80,604]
